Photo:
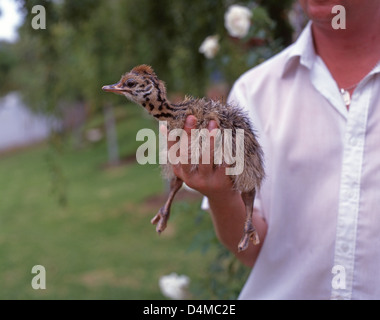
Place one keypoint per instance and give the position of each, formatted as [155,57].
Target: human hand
[209,179]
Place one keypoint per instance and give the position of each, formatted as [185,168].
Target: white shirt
[321,197]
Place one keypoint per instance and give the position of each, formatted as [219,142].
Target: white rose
[237,20]
[174,286]
[210,46]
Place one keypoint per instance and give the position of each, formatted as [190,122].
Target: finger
[164,130]
[207,154]
[178,143]
[190,124]
[212,125]
[214,131]
[166,135]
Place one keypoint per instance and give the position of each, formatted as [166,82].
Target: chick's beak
[113,88]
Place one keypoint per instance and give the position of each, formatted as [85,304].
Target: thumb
[164,130]
[190,123]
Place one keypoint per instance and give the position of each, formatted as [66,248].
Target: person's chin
[320,10]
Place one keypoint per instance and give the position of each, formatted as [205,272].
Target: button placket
[354,140]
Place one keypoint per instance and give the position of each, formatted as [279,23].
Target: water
[19,126]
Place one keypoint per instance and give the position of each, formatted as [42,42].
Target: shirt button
[349,194]
[353,141]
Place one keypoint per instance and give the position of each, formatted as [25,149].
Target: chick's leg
[249,230]
[161,218]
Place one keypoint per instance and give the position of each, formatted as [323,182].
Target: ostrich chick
[142,86]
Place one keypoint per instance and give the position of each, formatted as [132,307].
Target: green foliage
[101,245]
[277,11]
[91,43]
[236,56]
[186,68]
[77,12]
[87,44]
[7,64]
[226,275]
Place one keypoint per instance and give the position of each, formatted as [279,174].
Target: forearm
[228,216]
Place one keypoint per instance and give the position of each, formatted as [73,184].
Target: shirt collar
[302,51]
[376,69]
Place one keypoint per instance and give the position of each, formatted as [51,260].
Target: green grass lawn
[101,245]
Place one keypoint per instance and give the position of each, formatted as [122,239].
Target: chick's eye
[130,83]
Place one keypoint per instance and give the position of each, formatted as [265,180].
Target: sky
[10,19]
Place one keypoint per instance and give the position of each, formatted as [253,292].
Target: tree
[70,59]
[7,64]
[89,43]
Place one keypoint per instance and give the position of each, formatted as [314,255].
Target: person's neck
[349,54]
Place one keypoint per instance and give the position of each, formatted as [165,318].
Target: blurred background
[73,198]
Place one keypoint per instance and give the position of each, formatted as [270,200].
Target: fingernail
[191,122]
[164,130]
[212,125]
